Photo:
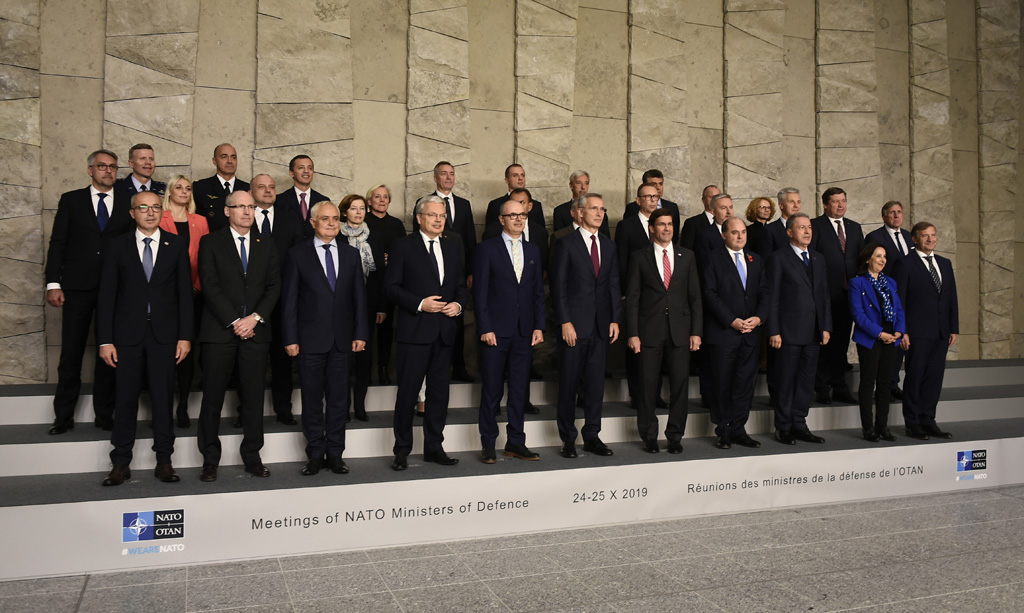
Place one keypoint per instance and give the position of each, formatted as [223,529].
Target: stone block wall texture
[913,100]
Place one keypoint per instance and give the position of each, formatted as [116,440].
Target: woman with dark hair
[878,326]
[357,234]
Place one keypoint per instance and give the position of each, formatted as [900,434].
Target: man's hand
[737,324]
[451,309]
[489,338]
[613,332]
[244,327]
[108,353]
[432,304]
[952,339]
[55,297]
[381,317]
[358,346]
[538,338]
[633,343]
[694,343]
[569,334]
[775,341]
[182,351]
[824,337]
[291,350]
[750,324]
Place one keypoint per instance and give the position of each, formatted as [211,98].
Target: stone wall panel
[18,201]
[125,18]
[126,81]
[226,49]
[23,358]
[21,238]
[172,54]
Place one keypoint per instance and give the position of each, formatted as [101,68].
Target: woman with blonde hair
[386,228]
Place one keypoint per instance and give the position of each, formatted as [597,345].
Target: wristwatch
[258,319]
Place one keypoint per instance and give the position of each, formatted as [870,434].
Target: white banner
[131,534]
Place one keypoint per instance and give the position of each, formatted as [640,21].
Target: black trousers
[795,381]
[324,376]
[154,362]
[77,318]
[433,361]
[385,337]
[734,369]
[652,357]
[362,365]
[587,362]
[281,385]
[219,359]
[186,370]
[875,377]
[926,367]
[832,358]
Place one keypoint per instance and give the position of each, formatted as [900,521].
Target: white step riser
[92,456]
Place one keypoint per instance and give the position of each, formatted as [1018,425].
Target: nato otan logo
[971,460]
[152,525]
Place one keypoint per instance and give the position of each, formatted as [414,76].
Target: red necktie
[594,257]
[842,235]
[303,206]
[666,266]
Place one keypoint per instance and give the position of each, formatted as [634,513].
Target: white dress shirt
[238,244]
[659,259]
[586,239]
[322,254]
[230,182]
[924,260]
[154,245]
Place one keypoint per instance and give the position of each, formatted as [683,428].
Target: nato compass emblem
[152,525]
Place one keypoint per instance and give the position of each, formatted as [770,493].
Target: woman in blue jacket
[878,328]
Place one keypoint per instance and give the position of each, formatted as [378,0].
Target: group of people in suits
[255,276]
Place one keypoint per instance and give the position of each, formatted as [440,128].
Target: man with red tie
[301,197]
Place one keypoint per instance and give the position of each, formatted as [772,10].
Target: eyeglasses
[515,215]
[434,215]
[649,197]
[244,207]
[143,208]
[99,166]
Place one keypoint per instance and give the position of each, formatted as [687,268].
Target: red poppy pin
[750,258]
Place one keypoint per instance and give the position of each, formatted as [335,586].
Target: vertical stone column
[438,97]
[798,118]
[545,86]
[998,28]
[847,107]
[703,40]
[1017,345]
[658,80]
[149,82]
[892,63]
[753,99]
[304,93]
[22,340]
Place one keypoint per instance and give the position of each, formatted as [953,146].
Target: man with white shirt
[515,177]
[142,161]
[928,292]
[210,193]
[299,200]
[775,235]
[86,220]
[695,225]
[657,179]
[144,327]
[562,216]
[241,282]
[664,321]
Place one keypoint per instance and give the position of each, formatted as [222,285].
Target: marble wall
[913,100]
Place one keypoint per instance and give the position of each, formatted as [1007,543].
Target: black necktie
[142,188]
[433,259]
[227,187]
[102,217]
[449,220]
[935,274]
[265,226]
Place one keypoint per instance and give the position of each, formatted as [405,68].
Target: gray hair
[786,190]
[92,156]
[316,208]
[792,219]
[422,202]
[718,197]
[576,174]
[579,202]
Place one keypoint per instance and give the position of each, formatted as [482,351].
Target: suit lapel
[795,261]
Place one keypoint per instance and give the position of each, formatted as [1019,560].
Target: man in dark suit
[211,193]
[508,292]
[284,229]
[799,321]
[657,179]
[562,217]
[532,233]
[928,292]
[142,161]
[736,302]
[631,235]
[299,200]
[143,328]
[775,236]
[241,284]
[710,239]
[515,177]
[326,279]
[896,242]
[85,222]
[588,307]
[426,279]
[838,240]
[699,222]
[664,320]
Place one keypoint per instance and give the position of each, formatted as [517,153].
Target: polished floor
[936,552]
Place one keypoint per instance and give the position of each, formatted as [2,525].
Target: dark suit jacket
[285,233]
[892,254]
[312,315]
[410,277]
[538,237]
[656,314]
[590,303]
[691,228]
[757,238]
[630,237]
[633,209]
[209,196]
[841,266]
[929,313]
[288,201]
[775,236]
[76,243]
[710,239]
[800,309]
[229,293]
[502,304]
[562,218]
[125,293]
[494,209]
[124,188]
[463,226]
[725,299]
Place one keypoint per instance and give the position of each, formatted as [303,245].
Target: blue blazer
[503,305]
[867,312]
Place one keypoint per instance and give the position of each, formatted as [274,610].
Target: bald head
[263,190]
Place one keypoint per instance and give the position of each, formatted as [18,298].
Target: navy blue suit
[323,327]
[733,355]
[425,339]
[538,238]
[511,309]
[494,209]
[591,304]
[288,201]
[932,317]
[799,311]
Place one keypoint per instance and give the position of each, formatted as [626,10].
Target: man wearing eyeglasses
[143,328]
[241,283]
[86,220]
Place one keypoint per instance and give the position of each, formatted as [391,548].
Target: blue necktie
[245,258]
[807,262]
[265,226]
[332,277]
[743,273]
[101,213]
